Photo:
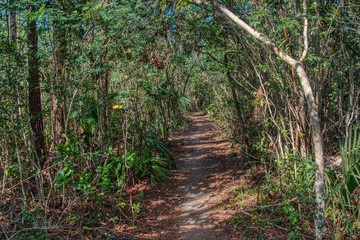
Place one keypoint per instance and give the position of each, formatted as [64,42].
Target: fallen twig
[276,204]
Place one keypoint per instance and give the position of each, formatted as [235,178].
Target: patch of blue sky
[170,11]
[208,19]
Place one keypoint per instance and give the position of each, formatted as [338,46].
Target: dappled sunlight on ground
[191,209]
[209,187]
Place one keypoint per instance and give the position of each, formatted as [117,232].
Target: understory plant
[344,208]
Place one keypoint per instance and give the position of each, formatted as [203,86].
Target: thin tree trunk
[103,81]
[314,117]
[12,38]
[300,115]
[20,166]
[4,165]
[351,112]
[57,99]
[300,108]
[13,23]
[233,92]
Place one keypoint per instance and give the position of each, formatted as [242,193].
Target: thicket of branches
[91,91]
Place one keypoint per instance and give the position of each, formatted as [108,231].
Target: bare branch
[305,32]
[314,116]
[263,38]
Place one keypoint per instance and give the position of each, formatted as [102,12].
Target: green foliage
[153,167]
[238,220]
[70,148]
[343,207]
[155,145]
[83,183]
[32,235]
[293,217]
[136,207]
[351,168]
[115,100]
[64,175]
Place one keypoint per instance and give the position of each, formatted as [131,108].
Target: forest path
[188,206]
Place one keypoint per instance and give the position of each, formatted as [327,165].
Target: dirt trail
[188,206]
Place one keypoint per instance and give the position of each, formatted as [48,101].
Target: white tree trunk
[314,117]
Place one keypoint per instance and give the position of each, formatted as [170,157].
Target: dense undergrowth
[91,92]
[282,196]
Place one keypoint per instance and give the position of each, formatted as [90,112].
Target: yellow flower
[115,107]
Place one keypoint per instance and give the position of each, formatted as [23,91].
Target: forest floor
[187,207]
[194,203]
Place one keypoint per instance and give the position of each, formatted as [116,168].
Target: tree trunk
[35,109]
[103,81]
[240,124]
[57,95]
[314,118]
[300,115]
[13,23]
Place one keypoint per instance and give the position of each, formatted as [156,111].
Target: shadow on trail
[188,205]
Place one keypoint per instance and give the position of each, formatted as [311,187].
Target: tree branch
[305,33]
